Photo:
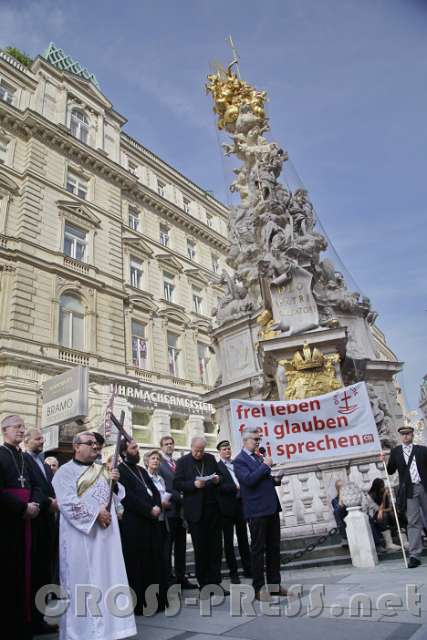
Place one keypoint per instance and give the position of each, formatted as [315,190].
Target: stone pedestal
[360,540]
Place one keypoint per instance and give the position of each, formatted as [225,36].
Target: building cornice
[29,123]
[175,176]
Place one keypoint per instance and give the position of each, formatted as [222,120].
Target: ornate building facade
[109,258]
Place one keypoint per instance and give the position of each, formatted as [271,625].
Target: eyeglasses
[90,443]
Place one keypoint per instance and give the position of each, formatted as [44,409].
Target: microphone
[263,452]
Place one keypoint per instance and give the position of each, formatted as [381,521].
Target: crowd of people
[105,525]
[86,523]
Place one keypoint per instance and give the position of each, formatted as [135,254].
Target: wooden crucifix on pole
[121,433]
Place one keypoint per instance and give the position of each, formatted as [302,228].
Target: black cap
[406,429]
[223,443]
[99,438]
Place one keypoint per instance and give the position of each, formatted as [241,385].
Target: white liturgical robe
[91,556]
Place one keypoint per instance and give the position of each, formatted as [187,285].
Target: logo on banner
[346,407]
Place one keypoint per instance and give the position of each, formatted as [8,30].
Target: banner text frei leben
[337,424]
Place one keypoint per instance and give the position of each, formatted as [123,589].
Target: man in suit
[230,503]
[201,509]
[261,507]
[178,533]
[44,547]
[410,461]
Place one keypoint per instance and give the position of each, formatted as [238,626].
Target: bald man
[44,548]
[20,497]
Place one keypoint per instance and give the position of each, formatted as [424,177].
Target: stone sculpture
[273,231]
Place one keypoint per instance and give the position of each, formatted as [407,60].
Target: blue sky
[347,87]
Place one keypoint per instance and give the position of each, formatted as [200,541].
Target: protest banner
[339,424]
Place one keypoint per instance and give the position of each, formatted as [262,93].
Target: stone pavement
[394,608]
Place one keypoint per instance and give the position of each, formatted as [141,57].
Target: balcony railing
[76,265]
[73,357]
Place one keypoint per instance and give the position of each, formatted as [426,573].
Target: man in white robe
[90,550]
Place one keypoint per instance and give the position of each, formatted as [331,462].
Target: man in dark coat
[177,531]
[410,460]
[230,503]
[197,477]
[140,530]
[261,507]
[44,549]
[20,497]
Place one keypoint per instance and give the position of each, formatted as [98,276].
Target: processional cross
[121,433]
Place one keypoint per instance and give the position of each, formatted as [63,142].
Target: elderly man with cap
[410,461]
[230,504]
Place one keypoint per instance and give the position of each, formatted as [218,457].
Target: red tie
[172,464]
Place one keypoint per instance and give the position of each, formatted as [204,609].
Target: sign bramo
[65,397]
[339,424]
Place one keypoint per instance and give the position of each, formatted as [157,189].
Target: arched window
[79,125]
[71,322]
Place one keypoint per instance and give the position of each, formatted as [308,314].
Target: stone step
[323,556]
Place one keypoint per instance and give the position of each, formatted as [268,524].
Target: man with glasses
[90,551]
[20,498]
[261,508]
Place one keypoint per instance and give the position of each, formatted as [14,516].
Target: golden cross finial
[236,56]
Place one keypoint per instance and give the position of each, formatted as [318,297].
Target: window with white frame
[7,92]
[186,205]
[79,125]
[209,220]
[197,300]
[178,430]
[75,242]
[71,322]
[210,432]
[168,286]
[3,149]
[77,184]
[139,345]
[136,272]
[215,263]
[173,354]
[161,186]
[133,218]
[191,249]
[203,359]
[142,430]
[164,235]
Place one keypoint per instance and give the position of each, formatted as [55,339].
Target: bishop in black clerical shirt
[201,509]
[20,496]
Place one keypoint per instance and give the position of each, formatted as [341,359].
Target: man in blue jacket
[261,507]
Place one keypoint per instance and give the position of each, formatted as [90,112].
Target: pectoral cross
[21,479]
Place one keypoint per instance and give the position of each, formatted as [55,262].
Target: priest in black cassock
[197,476]
[20,496]
[44,546]
[141,530]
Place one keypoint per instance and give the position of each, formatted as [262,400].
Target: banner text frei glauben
[339,424]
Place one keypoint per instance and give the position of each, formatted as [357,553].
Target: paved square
[385,603]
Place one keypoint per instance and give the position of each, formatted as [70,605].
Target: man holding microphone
[261,508]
